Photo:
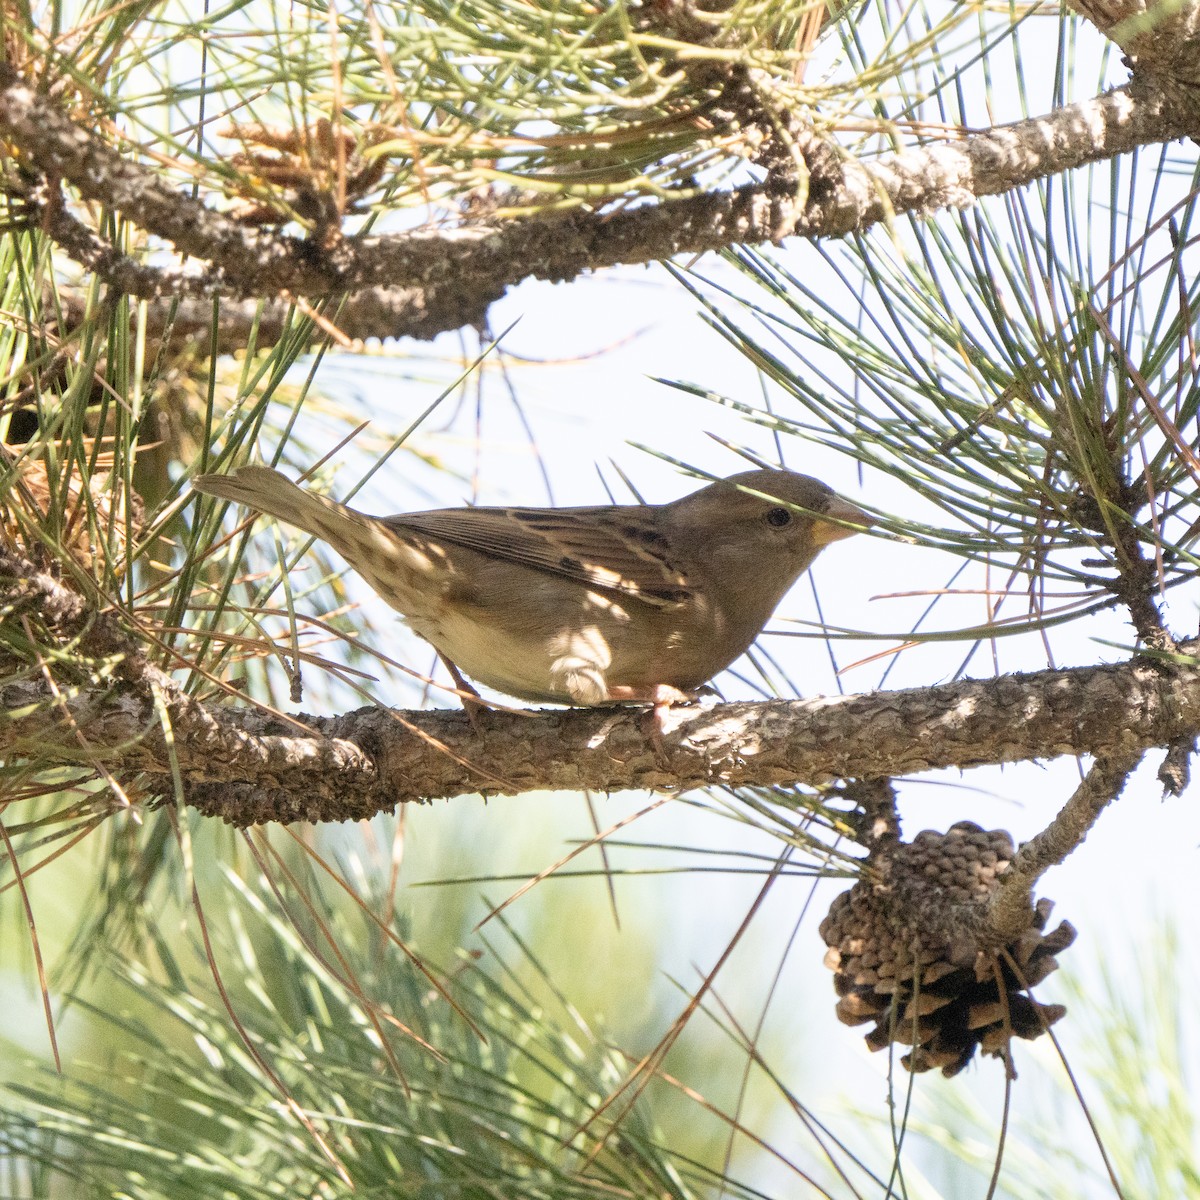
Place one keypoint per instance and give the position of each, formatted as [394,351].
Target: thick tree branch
[183,302]
[1099,710]
[248,766]
[465,269]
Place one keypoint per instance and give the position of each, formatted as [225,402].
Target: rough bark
[428,755]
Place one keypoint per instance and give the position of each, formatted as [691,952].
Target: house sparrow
[585,606]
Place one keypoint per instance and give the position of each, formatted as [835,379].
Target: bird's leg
[472,702]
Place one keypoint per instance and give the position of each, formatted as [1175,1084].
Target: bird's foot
[661,697]
[473,703]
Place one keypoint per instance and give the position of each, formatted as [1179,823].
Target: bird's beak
[824,532]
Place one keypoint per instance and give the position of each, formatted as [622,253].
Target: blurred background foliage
[1016,385]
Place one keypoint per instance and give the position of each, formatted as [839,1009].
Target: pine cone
[26,499]
[904,946]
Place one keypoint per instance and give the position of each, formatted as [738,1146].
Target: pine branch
[463,270]
[249,766]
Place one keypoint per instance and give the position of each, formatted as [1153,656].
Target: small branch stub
[911,949]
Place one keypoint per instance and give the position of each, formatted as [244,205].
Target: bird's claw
[661,697]
[473,703]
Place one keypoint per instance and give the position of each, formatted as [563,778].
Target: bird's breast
[562,643]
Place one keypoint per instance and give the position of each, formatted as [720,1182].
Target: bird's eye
[779,517]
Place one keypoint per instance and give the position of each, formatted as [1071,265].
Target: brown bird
[579,605]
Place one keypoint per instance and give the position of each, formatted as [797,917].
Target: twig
[1010,905]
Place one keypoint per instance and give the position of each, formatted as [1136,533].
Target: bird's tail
[266,490]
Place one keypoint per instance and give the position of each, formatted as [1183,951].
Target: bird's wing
[615,548]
